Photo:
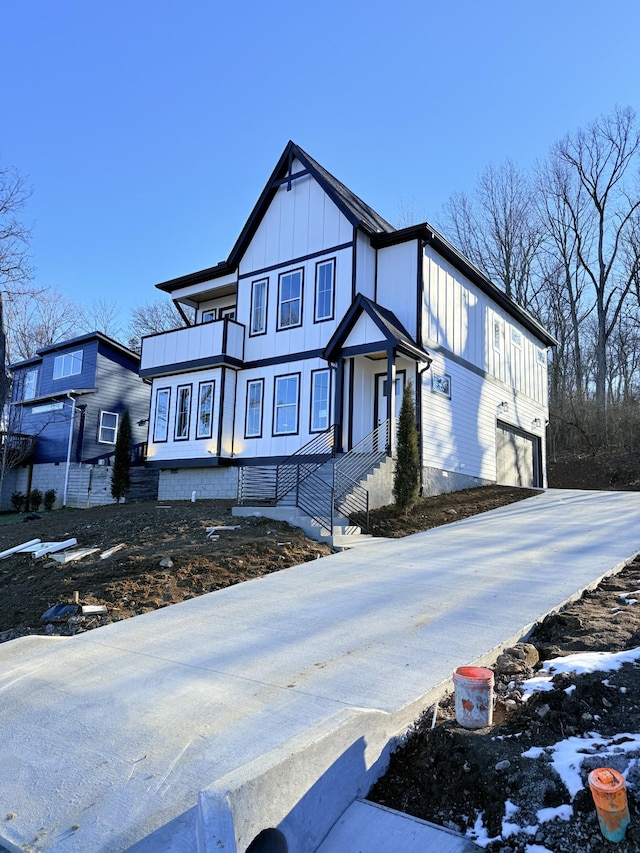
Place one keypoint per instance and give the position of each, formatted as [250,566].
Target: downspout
[69,445]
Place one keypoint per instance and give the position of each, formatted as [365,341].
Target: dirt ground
[133,581]
[450,774]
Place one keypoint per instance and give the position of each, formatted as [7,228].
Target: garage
[518,457]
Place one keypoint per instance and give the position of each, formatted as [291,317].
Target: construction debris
[18,548]
[110,551]
[94,610]
[59,612]
[73,556]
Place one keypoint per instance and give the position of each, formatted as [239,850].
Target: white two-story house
[306,336]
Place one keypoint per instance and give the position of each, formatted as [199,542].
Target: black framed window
[290,299]
[325,279]
[320,400]
[253,416]
[285,404]
[258,307]
[204,427]
[183,412]
[161,419]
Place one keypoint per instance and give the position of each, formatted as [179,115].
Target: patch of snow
[479,834]
[578,664]
[568,754]
[564,812]
[536,848]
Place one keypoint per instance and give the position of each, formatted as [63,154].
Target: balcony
[181,350]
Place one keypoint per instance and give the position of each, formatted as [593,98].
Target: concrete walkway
[270,706]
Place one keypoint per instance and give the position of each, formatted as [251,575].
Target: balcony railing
[15,448]
[194,346]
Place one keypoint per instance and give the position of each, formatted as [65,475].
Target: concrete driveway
[271,705]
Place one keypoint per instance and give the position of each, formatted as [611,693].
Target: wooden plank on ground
[73,556]
[51,547]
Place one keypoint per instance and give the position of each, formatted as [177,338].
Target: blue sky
[147,128]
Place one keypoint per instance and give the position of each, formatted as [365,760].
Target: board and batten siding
[310,335]
[459,318]
[191,448]
[396,282]
[300,221]
[459,434]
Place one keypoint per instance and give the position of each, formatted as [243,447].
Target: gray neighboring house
[66,406]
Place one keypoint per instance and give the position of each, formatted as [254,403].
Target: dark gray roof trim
[72,342]
[391,328]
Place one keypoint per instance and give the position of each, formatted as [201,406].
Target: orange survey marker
[610,796]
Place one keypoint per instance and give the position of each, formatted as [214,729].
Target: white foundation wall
[207,483]
[89,485]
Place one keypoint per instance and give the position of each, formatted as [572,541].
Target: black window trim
[155,415]
[313,431]
[298,376]
[259,382]
[264,281]
[179,388]
[280,328]
[211,382]
[317,319]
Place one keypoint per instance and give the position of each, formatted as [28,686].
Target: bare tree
[601,210]
[36,323]
[152,318]
[104,316]
[498,228]
[15,269]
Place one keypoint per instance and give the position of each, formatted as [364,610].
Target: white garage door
[517,457]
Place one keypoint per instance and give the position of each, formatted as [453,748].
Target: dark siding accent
[85,379]
[295,261]
[354,256]
[352,370]
[221,411]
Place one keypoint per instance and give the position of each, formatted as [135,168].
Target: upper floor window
[30,384]
[258,307]
[497,334]
[204,428]
[285,406]
[516,338]
[108,429]
[161,420]
[209,316]
[325,276]
[183,412]
[253,417]
[319,400]
[290,299]
[68,364]
[229,312]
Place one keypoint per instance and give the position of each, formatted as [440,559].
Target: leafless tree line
[563,240]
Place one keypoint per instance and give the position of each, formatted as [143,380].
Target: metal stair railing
[257,484]
[363,458]
[305,461]
[351,500]
[315,498]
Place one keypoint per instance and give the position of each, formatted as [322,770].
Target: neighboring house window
[161,420]
[290,300]
[108,427]
[320,384]
[204,428]
[253,419]
[285,406]
[325,276]
[183,412]
[230,312]
[30,385]
[209,316]
[68,364]
[516,338]
[258,307]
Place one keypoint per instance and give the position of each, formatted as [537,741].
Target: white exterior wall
[277,445]
[458,317]
[365,266]
[192,448]
[299,222]
[396,283]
